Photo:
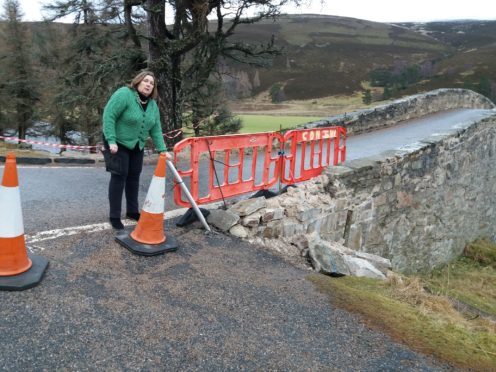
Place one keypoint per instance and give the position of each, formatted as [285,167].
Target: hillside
[473,60]
[324,56]
[328,56]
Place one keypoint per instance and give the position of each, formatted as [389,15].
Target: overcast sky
[373,10]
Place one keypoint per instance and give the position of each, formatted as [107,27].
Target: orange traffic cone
[18,270]
[148,238]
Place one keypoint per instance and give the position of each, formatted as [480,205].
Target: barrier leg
[179,180]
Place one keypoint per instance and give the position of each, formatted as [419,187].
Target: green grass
[419,311]
[470,279]
[268,123]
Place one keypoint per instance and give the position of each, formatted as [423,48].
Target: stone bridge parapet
[417,207]
[407,108]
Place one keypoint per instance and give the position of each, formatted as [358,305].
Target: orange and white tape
[72,147]
[170,135]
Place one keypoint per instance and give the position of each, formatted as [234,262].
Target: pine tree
[367,97]
[52,52]
[210,113]
[3,105]
[484,87]
[100,57]
[185,52]
[94,69]
[386,94]
[19,82]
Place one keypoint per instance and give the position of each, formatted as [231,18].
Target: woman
[129,118]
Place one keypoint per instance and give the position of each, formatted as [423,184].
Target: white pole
[188,195]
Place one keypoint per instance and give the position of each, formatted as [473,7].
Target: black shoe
[133,215]
[116,223]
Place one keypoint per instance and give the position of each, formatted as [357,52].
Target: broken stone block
[270,214]
[248,206]
[380,263]
[301,241]
[238,231]
[273,229]
[251,220]
[334,258]
[361,267]
[326,261]
[284,248]
[273,203]
[221,219]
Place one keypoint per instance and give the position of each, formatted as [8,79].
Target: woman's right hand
[113,148]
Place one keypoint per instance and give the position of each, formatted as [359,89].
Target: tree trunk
[21,121]
[167,67]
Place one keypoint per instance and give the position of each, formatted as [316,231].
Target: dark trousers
[133,163]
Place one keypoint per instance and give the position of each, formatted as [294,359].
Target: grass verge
[266,123]
[424,312]
[470,280]
[269,123]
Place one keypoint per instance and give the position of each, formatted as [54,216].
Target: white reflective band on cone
[155,199]
[11,224]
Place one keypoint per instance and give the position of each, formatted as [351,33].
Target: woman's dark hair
[138,78]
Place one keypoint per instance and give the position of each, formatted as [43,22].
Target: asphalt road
[216,304]
[408,134]
[54,198]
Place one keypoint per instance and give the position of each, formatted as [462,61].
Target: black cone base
[27,279]
[124,239]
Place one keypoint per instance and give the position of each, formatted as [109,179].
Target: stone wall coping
[381,116]
[339,170]
[362,163]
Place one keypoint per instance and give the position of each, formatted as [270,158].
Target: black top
[143,100]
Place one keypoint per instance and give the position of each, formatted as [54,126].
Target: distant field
[267,123]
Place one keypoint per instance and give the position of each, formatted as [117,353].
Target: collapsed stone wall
[416,207]
[407,108]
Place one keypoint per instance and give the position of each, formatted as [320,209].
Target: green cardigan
[125,121]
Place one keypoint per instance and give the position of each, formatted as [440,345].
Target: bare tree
[185,52]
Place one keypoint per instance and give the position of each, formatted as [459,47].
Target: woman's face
[146,85]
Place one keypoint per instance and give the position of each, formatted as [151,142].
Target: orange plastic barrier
[231,164]
[308,151]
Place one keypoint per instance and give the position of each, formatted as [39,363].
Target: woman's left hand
[168,156]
